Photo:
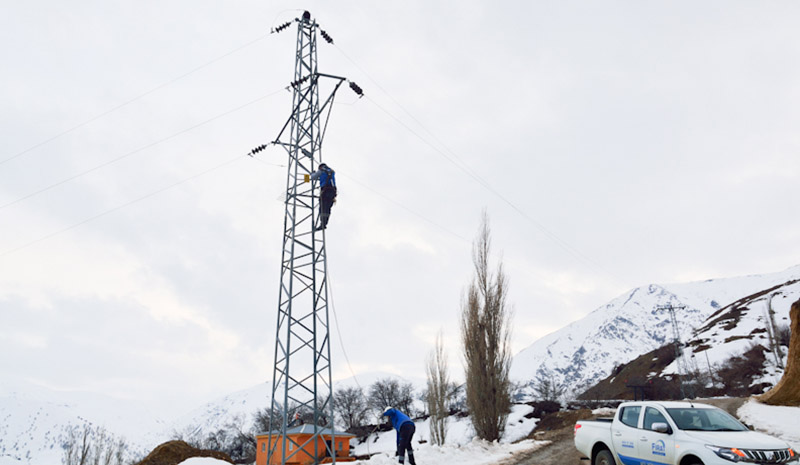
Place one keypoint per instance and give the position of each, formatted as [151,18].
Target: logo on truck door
[659,448]
[628,444]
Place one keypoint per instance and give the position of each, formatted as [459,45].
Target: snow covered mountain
[635,323]
[743,323]
[35,422]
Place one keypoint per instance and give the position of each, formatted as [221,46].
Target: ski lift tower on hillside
[302,372]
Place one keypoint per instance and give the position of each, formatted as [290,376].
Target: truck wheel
[604,457]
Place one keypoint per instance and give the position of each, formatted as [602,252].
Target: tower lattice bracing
[680,359]
[301,379]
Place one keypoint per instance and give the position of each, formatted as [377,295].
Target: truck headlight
[728,453]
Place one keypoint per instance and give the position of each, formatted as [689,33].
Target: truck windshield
[704,419]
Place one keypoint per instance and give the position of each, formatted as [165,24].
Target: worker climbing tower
[301,380]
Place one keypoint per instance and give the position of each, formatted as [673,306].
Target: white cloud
[657,141]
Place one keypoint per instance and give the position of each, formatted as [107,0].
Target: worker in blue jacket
[405,432]
[327,195]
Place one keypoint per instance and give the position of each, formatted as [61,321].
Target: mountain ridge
[634,323]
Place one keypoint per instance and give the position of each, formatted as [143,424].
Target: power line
[341,340]
[138,97]
[560,242]
[463,166]
[140,149]
[384,196]
[344,352]
[404,207]
[455,161]
[119,207]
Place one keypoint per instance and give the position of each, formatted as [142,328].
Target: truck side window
[630,416]
[651,416]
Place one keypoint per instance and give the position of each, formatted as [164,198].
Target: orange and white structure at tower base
[300,450]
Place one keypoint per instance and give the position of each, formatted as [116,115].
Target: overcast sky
[613,145]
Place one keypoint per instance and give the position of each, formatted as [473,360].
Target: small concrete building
[300,450]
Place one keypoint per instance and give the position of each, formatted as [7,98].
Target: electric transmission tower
[301,378]
[680,360]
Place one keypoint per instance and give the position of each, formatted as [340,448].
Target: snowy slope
[778,421]
[239,406]
[732,329]
[587,350]
[35,421]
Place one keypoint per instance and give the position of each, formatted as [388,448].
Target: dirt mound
[787,391]
[563,419]
[175,452]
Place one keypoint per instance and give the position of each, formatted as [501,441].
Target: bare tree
[438,389]
[388,392]
[351,406]
[485,334]
[546,387]
[261,419]
[92,446]
[772,333]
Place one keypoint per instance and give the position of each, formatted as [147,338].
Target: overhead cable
[454,159]
[133,152]
[119,207]
[134,99]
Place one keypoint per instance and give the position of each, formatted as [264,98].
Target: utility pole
[302,372]
[680,360]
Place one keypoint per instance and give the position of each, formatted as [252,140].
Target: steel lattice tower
[680,359]
[302,373]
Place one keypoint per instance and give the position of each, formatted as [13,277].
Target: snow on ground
[462,449]
[604,412]
[460,444]
[476,452]
[777,421]
[203,461]
[459,433]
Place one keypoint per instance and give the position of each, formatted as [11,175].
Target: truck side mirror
[660,427]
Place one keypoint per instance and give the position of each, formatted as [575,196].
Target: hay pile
[787,391]
[175,452]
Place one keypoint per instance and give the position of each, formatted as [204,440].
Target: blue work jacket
[397,417]
[326,177]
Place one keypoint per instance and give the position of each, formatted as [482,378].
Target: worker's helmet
[386,410]
[323,166]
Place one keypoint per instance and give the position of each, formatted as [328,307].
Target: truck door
[624,433]
[655,448]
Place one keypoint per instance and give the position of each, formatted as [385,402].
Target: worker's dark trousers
[325,203]
[404,437]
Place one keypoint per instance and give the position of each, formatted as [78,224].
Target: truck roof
[671,404]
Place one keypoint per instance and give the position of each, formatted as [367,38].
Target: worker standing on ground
[405,432]
[327,195]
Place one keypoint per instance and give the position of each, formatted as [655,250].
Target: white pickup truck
[675,433]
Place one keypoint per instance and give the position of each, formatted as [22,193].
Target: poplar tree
[485,335]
